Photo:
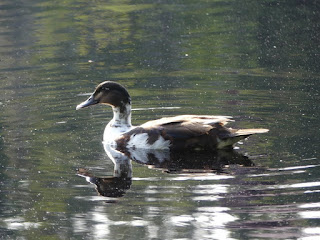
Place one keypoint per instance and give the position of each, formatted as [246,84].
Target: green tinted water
[255,60]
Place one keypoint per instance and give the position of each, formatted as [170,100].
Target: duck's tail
[248,132]
[238,135]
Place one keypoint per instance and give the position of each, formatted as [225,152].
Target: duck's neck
[121,117]
[120,123]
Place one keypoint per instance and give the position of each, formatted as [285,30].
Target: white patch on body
[141,141]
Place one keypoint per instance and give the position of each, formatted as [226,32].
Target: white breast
[111,132]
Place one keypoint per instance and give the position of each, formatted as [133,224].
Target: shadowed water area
[257,61]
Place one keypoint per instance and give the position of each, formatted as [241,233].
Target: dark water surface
[255,60]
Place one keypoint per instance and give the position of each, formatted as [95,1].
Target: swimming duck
[184,132]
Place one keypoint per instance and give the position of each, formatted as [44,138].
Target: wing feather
[187,119]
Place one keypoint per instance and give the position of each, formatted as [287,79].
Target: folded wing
[187,132]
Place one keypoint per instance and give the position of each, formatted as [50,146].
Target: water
[256,60]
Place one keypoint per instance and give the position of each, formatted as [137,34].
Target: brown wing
[184,132]
[190,132]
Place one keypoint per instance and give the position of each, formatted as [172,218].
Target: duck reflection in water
[116,185]
[107,186]
[174,162]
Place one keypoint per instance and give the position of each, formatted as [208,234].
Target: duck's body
[187,132]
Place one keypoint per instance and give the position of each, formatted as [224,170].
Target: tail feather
[237,136]
[247,132]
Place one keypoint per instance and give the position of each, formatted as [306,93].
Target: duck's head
[110,93]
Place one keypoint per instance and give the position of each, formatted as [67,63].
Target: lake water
[255,60]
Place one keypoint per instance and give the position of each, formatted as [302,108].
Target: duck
[182,132]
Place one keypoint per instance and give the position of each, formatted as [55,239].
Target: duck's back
[187,119]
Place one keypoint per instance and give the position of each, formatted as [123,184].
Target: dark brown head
[110,93]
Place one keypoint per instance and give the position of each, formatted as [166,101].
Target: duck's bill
[90,101]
